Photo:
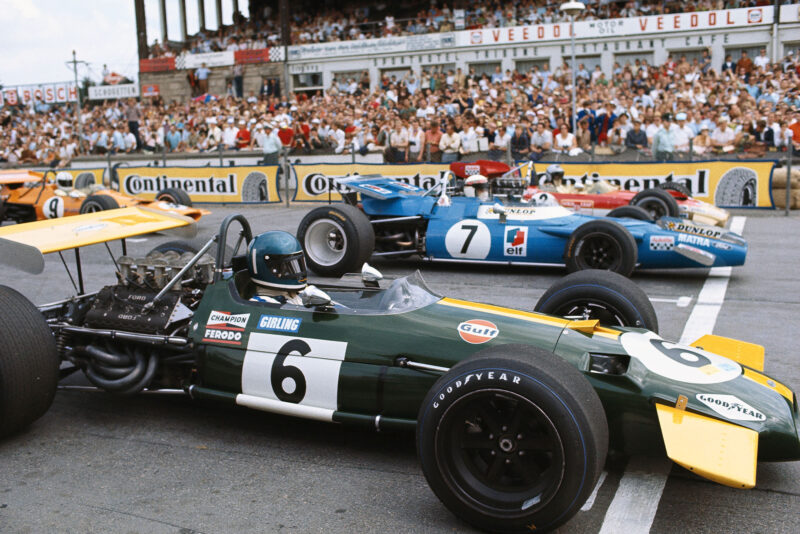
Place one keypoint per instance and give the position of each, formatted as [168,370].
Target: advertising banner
[113,92]
[203,184]
[211,59]
[383,45]
[315,182]
[49,93]
[157,64]
[258,55]
[724,183]
[597,29]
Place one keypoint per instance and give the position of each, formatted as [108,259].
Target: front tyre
[631,212]
[512,439]
[173,195]
[336,239]
[95,203]
[657,202]
[608,297]
[601,244]
[28,363]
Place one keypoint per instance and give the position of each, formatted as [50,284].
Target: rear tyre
[658,202]
[631,212]
[180,247]
[606,296]
[28,363]
[337,239]
[512,439]
[174,196]
[94,203]
[601,244]
[675,186]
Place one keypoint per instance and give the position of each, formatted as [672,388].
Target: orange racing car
[30,196]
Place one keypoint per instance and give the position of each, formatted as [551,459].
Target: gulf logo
[477,331]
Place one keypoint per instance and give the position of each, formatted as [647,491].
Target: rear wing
[23,246]
[380,187]
[19,177]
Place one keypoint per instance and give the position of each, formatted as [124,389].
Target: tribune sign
[113,92]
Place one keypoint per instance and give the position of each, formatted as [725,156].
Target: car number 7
[471,228]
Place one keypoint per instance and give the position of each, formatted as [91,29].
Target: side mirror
[313,297]
[370,275]
[500,210]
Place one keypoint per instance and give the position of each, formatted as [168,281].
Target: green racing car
[514,411]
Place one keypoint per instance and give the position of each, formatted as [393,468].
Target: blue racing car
[398,219]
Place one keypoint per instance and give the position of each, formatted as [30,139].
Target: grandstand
[376,80]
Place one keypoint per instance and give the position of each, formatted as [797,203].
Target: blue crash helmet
[275,259]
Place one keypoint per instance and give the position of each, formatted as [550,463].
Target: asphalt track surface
[166,464]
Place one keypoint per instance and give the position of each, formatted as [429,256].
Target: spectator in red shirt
[242,136]
[432,137]
[285,134]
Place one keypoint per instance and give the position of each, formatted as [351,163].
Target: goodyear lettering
[731,407]
[497,376]
[279,323]
[694,240]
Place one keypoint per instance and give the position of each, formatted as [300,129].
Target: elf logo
[516,241]
[477,331]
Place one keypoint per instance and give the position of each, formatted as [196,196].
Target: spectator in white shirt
[450,143]
[762,61]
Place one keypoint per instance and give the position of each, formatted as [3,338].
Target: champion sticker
[225,327]
[731,407]
[477,331]
[662,242]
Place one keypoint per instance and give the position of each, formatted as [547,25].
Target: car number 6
[288,381]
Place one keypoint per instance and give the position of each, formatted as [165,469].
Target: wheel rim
[600,251]
[168,198]
[500,452]
[92,207]
[325,242]
[584,309]
[655,207]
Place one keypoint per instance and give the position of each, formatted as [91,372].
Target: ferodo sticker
[680,363]
[477,331]
[731,407]
[685,228]
[225,327]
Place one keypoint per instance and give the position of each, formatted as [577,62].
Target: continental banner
[203,184]
[727,184]
[314,182]
[724,183]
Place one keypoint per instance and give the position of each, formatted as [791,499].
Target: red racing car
[598,198]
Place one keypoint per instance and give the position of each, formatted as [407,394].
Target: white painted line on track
[590,501]
[680,302]
[635,503]
[634,506]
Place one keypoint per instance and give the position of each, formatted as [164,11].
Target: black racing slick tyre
[631,212]
[174,195]
[337,239]
[512,439]
[181,247]
[601,244]
[658,202]
[676,186]
[94,203]
[28,363]
[606,296]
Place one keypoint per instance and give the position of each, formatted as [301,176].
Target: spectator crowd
[750,106]
[315,25]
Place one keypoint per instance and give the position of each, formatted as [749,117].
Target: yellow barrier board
[314,180]
[724,183]
[203,184]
